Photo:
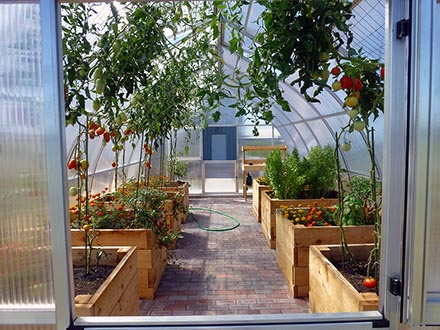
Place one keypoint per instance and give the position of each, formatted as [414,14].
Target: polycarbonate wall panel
[190,139]
[25,250]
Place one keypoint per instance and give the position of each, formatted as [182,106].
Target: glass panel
[192,141]
[25,253]
[195,176]
[220,176]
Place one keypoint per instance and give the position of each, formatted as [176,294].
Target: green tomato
[359,125]
[122,117]
[324,74]
[315,74]
[323,56]
[346,147]
[96,104]
[97,74]
[99,86]
[73,191]
[353,113]
[336,85]
[117,46]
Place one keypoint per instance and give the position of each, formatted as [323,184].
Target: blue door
[220,143]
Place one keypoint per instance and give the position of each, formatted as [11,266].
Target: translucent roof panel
[307,125]
[368,28]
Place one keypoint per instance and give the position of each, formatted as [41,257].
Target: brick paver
[223,272]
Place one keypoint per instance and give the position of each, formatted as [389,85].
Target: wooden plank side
[301,256]
[300,291]
[144,288]
[145,259]
[114,286]
[84,309]
[300,275]
[125,304]
[253,148]
[306,236]
[112,256]
[114,237]
[257,191]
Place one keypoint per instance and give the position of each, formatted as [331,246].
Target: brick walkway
[228,272]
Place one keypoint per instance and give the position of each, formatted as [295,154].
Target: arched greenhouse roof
[308,123]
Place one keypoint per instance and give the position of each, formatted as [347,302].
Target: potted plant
[259,185]
[292,180]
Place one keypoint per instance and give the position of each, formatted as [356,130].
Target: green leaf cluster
[284,174]
[319,171]
[310,177]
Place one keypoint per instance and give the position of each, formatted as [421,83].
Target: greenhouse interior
[252,164]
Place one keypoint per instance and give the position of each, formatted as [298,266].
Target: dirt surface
[355,274]
[88,284]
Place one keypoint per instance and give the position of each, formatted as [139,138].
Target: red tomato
[91,134]
[92,125]
[382,72]
[71,165]
[346,82]
[113,164]
[336,71]
[107,137]
[147,164]
[357,84]
[99,131]
[370,282]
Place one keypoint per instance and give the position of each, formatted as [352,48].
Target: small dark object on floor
[88,284]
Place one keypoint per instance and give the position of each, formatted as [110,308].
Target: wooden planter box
[268,213]
[152,259]
[117,296]
[330,291]
[257,191]
[179,193]
[292,248]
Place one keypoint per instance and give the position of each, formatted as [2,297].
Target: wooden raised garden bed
[117,296]
[330,291]
[292,248]
[269,206]
[179,192]
[257,191]
[152,259]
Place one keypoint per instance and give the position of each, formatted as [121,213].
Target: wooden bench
[249,165]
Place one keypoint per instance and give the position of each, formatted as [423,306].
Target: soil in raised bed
[88,284]
[355,274]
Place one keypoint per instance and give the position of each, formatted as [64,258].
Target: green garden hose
[213,211]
